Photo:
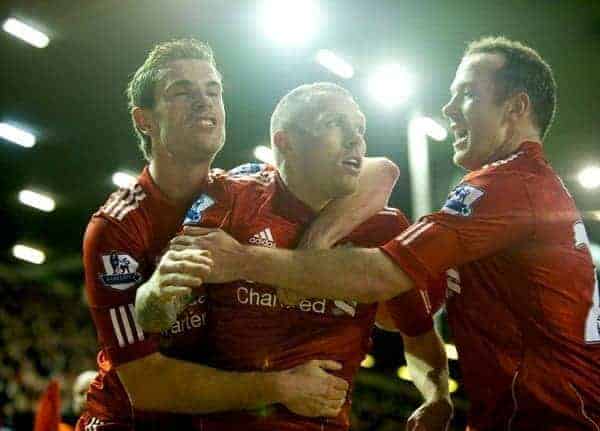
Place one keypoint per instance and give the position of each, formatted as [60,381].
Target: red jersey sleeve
[482,215]
[114,268]
[411,312]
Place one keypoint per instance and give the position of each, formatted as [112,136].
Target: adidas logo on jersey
[263,238]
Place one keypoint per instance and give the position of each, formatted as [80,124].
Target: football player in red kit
[177,110]
[522,296]
[317,133]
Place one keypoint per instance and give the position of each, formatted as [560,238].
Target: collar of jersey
[289,206]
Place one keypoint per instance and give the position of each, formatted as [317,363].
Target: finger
[170,292]
[338,383]
[185,267]
[195,230]
[327,364]
[329,411]
[182,280]
[192,255]
[336,394]
[188,241]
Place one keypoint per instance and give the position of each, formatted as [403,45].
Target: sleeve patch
[460,200]
[194,214]
[120,271]
[246,169]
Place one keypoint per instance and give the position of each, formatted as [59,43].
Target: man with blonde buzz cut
[522,295]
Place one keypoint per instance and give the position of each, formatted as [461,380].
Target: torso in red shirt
[523,302]
[250,330]
[123,243]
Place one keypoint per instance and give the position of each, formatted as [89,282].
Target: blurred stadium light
[26,33]
[334,63]
[37,200]
[28,254]
[390,85]
[403,373]
[589,177]
[264,154]
[123,179]
[368,362]
[16,135]
[418,162]
[431,128]
[290,22]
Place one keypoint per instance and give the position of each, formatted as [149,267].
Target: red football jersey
[523,301]
[249,329]
[123,243]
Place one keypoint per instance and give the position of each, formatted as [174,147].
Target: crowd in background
[45,332]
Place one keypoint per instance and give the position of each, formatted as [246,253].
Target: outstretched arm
[360,274]
[341,216]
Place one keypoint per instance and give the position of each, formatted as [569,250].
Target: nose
[357,140]
[200,100]
[449,108]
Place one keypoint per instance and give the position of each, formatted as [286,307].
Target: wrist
[273,386]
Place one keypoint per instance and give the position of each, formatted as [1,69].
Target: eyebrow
[188,83]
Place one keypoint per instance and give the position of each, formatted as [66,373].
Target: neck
[178,181]
[301,187]
[515,140]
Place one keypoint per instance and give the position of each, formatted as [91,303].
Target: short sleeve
[114,268]
[482,215]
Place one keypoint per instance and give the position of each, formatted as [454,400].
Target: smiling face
[478,120]
[330,146]
[188,119]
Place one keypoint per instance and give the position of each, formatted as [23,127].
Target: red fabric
[520,289]
[47,417]
[250,330]
[135,225]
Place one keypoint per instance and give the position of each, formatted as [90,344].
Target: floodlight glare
[37,200]
[589,177]
[16,136]
[264,154]
[404,374]
[368,362]
[26,33]
[452,385]
[290,22]
[432,128]
[29,254]
[391,85]
[123,179]
[335,64]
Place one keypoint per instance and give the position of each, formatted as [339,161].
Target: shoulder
[247,178]
[504,183]
[380,228]
[120,219]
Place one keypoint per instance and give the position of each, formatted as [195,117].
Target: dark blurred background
[70,95]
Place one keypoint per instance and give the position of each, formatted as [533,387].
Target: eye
[336,122]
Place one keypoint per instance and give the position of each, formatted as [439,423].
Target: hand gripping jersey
[123,243]
[249,329]
[523,300]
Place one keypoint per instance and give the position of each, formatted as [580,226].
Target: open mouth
[352,164]
[206,122]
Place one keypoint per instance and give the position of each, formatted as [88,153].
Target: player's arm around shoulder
[341,216]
